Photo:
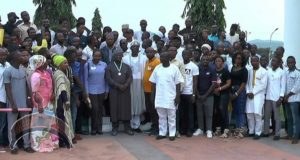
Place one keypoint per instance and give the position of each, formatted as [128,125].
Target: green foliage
[205,13]
[54,10]
[96,21]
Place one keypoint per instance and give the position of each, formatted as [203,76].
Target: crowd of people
[182,82]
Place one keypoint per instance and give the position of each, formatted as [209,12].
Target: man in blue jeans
[292,99]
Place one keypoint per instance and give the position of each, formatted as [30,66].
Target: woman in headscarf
[62,99]
[43,113]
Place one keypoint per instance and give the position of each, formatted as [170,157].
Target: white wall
[292,26]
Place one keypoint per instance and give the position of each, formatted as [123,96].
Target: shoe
[78,137]
[93,133]
[172,138]
[218,131]
[189,134]
[114,132]
[276,138]
[74,141]
[209,134]
[129,132]
[198,132]
[99,132]
[294,140]
[225,134]
[153,132]
[264,135]
[29,150]
[137,130]
[251,135]
[238,133]
[14,151]
[256,137]
[177,134]
[159,137]
[148,131]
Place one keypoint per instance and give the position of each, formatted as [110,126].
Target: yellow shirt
[35,49]
[150,65]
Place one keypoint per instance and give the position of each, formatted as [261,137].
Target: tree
[205,13]
[54,10]
[96,21]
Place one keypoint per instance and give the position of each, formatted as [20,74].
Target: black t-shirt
[238,76]
[9,28]
[223,76]
[205,79]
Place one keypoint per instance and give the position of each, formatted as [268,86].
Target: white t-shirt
[190,70]
[166,79]
[87,53]
[232,39]
[2,87]
[179,54]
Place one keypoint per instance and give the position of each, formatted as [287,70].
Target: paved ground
[143,147]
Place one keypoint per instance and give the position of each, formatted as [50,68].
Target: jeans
[3,127]
[293,119]
[222,109]
[239,106]
[186,114]
[74,107]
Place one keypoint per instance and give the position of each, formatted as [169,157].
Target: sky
[258,17]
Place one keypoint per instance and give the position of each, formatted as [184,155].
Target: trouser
[293,119]
[166,118]
[269,107]
[239,106]
[186,112]
[151,110]
[205,111]
[11,119]
[285,116]
[254,123]
[3,126]
[74,107]
[222,110]
[97,111]
[135,121]
[115,125]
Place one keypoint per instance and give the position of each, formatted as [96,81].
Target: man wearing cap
[25,25]
[137,63]
[11,23]
[125,28]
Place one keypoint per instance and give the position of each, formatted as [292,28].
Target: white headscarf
[37,61]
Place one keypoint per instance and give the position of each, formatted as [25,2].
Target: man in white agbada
[166,79]
[256,88]
[137,62]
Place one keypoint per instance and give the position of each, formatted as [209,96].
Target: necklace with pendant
[118,68]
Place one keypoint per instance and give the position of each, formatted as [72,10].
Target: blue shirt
[94,77]
[213,38]
[76,72]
